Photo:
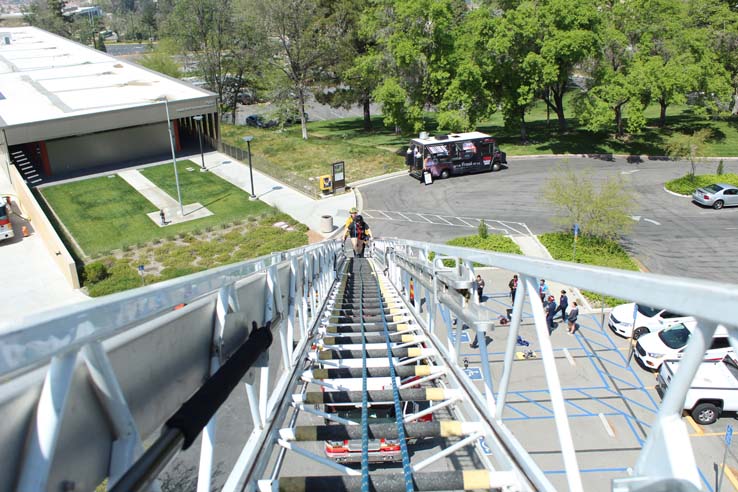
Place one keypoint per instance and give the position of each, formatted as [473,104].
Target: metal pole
[251,170]
[721,474]
[199,138]
[174,157]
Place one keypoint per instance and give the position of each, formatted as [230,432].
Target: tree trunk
[559,108]
[662,116]
[523,131]
[619,120]
[303,123]
[367,115]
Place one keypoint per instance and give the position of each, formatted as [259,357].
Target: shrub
[686,186]
[95,272]
[483,230]
[593,251]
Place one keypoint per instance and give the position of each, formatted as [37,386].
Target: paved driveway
[671,235]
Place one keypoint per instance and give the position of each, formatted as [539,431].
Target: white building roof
[45,77]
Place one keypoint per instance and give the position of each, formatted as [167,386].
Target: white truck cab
[714,389]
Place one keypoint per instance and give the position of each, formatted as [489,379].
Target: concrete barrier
[42,226]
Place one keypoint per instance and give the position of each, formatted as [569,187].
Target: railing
[667,453]
[294,180]
[81,387]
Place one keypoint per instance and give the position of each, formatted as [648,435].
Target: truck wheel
[639,332]
[705,413]
[444,174]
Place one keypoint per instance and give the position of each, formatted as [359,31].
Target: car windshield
[647,311]
[713,188]
[675,337]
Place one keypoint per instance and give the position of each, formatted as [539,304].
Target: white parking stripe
[449,223]
[502,227]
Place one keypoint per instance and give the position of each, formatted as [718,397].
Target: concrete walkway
[531,246]
[302,208]
[161,200]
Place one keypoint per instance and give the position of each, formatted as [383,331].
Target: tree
[354,70]
[416,39]
[567,38]
[617,81]
[303,42]
[224,40]
[161,59]
[601,211]
[49,15]
[689,147]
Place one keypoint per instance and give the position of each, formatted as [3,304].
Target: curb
[676,194]
[609,157]
[375,179]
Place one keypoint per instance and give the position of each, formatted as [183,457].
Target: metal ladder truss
[350,378]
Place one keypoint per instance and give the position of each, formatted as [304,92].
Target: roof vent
[441,137]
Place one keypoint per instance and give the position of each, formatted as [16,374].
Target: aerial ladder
[341,373]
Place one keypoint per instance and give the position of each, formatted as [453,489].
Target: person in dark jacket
[480,287]
[551,310]
[573,315]
[513,287]
[563,304]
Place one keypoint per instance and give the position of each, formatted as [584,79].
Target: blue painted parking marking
[474,373]
[483,445]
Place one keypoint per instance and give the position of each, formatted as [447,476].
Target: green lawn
[286,156]
[686,185]
[591,251]
[493,242]
[106,213]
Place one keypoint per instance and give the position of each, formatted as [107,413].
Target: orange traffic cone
[24,229]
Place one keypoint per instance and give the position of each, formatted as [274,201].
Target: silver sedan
[717,196]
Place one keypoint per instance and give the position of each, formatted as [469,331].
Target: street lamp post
[248,140]
[174,156]
[198,118]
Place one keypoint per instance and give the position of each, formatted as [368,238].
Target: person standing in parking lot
[513,287]
[480,287]
[551,310]
[573,315]
[543,290]
[563,304]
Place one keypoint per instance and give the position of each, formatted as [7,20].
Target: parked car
[714,389]
[653,349]
[647,320]
[259,121]
[716,196]
[294,119]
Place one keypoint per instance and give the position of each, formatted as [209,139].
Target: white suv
[647,320]
[653,349]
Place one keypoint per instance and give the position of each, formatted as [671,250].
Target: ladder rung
[372,372]
[395,482]
[421,394]
[338,432]
[371,338]
[373,353]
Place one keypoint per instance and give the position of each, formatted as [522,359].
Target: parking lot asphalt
[670,235]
